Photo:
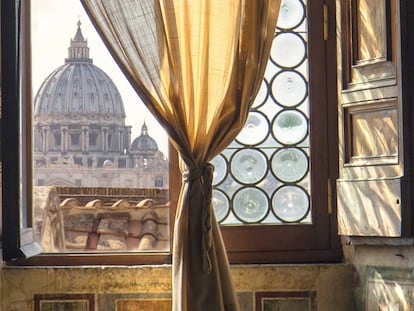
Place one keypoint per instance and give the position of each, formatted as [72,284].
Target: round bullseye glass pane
[290,127]
[290,164]
[249,166]
[289,88]
[291,14]
[220,169]
[290,204]
[261,95]
[288,50]
[255,130]
[250,205]
[221,205]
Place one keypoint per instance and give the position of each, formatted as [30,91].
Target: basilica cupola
[144,129]
[79,91]
[144,144]
[78,108]
[80,138]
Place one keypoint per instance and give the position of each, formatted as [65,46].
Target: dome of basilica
[144,143]
[80,138]
[79,88]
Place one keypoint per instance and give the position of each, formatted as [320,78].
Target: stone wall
[383,276]
[146,288]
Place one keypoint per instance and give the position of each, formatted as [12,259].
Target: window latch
[329,197]
[325,22]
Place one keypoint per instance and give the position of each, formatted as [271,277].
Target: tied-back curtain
[197,65]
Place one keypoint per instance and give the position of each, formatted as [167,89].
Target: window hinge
[330,198]
[325,22]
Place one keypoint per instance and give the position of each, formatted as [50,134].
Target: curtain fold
[197,65]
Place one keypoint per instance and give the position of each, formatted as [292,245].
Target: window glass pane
[263,177]
[94,141]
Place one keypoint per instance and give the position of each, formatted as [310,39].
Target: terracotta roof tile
[101,221]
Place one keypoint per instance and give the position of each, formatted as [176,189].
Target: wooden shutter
[370,190]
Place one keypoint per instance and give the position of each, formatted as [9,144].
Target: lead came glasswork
[249,166]
[255,130]
[290,165]
[289,88]
[290,204]
[263,176]
[290,127]
[250,205]
[288,50]
[262,95]
[220,169]
[291,14]
[220,204]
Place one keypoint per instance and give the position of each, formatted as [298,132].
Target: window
[122,163]
[74,139]
[275,180]
[252,234]
[58,140]
[159,182]
[264,176]
[93,137]
[99,213]
[83,151]
[110,140]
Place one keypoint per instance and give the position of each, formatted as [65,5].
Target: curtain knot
[205,175]
[192,174]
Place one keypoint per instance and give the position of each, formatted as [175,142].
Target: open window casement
[372,190]
[16,143]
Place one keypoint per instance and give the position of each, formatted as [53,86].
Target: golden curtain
[197,65]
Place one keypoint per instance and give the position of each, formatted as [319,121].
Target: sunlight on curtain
[197,66]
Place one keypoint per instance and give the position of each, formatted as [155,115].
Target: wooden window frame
[243,242]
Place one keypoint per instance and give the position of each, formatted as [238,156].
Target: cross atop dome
[78,36]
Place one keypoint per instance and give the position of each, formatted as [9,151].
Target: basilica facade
[80,136]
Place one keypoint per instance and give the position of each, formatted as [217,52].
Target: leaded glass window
[263,177]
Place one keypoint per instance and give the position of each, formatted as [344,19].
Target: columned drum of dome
[80,135]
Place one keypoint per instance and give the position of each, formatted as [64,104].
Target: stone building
[80,136]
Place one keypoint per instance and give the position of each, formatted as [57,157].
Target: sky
[54,23]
